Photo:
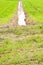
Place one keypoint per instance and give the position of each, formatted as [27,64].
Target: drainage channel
[21,15]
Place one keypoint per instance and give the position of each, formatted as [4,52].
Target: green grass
[24,49]
[34,8]
[7,9]
[22,52]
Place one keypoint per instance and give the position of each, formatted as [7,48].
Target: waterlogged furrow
[21,15]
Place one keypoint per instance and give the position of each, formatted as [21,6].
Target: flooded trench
[21,15]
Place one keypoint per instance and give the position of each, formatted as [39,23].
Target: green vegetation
[21,46]
[34,8]
[7,9]
[21,52]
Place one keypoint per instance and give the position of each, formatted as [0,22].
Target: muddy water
[21,15]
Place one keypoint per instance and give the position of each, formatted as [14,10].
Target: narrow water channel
[21,15]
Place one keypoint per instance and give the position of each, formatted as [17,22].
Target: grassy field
[34,8]
[7,10]
[22,45]
[22,52]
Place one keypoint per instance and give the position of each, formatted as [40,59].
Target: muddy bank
[28,20]
[13,21]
